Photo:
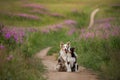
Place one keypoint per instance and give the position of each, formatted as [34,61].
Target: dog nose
[66,50]
[68,62]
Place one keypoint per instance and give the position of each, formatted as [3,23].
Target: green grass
[20,67]
[64,8]
[101,55]
[98,54]
[37,41]
[93,53]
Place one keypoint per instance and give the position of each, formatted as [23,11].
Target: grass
[37,41]
[92,53]
[63,9]
[18,67]
[99,54]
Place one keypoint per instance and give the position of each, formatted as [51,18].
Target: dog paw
[69,70]
[57,67]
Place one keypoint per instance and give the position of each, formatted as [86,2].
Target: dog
[62,59]
[73,62]
[61,65]
[67,60]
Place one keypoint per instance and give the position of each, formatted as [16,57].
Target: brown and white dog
[67,60]
[62,59]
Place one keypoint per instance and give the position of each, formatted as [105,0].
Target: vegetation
[30,26]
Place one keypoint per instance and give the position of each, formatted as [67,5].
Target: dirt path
[50,62]
[92,16]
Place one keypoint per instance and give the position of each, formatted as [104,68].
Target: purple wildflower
[29,16]
[7,35]
[105,20]
[16,33]
[98,34]
[70,22]
[45,31]
[56,15]
[116,31]
[71,31]
[32,30]
[52,28]
[104,30]
[40,11]
[16,38]
[59,26]
[10,57]
[88,35]
[82,30]
[2,46]
[107,25]
[38,6]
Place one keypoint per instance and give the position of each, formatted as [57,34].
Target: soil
[51,74]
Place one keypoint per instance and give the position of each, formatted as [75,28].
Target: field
[28,26]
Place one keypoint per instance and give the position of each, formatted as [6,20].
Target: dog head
[72,50]
[65,47]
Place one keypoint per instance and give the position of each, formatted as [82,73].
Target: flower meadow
[103,31]
[27,16]
[16,34]
[67,24]
[28,26]
[35,6]
[14,62]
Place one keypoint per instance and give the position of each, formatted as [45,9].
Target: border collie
[74,65]
[67,60]
[62,59]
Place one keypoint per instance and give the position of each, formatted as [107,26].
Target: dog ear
[68,43]
[73,49]
[61,44]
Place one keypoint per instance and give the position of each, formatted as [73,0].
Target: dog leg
[57,67]
[76,67]
[68,67]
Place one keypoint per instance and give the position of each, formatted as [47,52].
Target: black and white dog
[74,65]
[67,60]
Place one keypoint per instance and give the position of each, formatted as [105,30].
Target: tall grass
[17,61]
[96,53]
[14,64]
[37,41]
[101,55]
[18,67]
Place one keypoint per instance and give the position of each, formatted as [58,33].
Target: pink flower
[71,31]
[52,28]
[45,31]
[70,22]
[116,31]
[7,35]
[87,35]
[2,46]
[105,20]
[40,11]
[59,26]
[38,6]
[82,30]
[29,16]
[56,15]
[32,30]
[10,57]
[16,33]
